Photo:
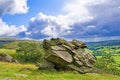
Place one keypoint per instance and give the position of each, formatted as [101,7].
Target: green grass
[12,71]
[8,51]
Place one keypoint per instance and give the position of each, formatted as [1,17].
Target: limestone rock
[66,55]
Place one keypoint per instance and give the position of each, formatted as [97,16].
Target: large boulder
[7,58]
[68,55]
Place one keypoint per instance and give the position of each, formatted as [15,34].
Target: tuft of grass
[12,71]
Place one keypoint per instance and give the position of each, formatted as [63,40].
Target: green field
[8,51]
[12,71]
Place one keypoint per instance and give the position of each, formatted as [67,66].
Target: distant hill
[104,43]
[101,47]
[11,43]
[89,44]
[100,43]
[5,41]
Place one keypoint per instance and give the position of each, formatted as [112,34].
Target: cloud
[81,18]
[43,25]
[12,30]
[106,19]
[12,7]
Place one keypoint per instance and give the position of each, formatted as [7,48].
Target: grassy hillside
[104,43]
[5,41]
[8,51]
[12,71]
[99,48]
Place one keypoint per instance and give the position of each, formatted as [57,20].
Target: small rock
[25,69]
[22,75]
[7,58]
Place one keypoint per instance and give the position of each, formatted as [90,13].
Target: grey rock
[25,69]
[7,58]
[66,55]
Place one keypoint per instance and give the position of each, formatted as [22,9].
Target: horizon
[85,20]
[2,38]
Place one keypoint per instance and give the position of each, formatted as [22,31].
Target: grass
[12,71]
[8,51]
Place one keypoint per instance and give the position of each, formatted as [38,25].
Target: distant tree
[28,52]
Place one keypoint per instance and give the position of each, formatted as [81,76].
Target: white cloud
[81,18]
[12,30]
[60,25]
[47,25]
[11,7]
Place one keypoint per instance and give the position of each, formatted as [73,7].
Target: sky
[86,20]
